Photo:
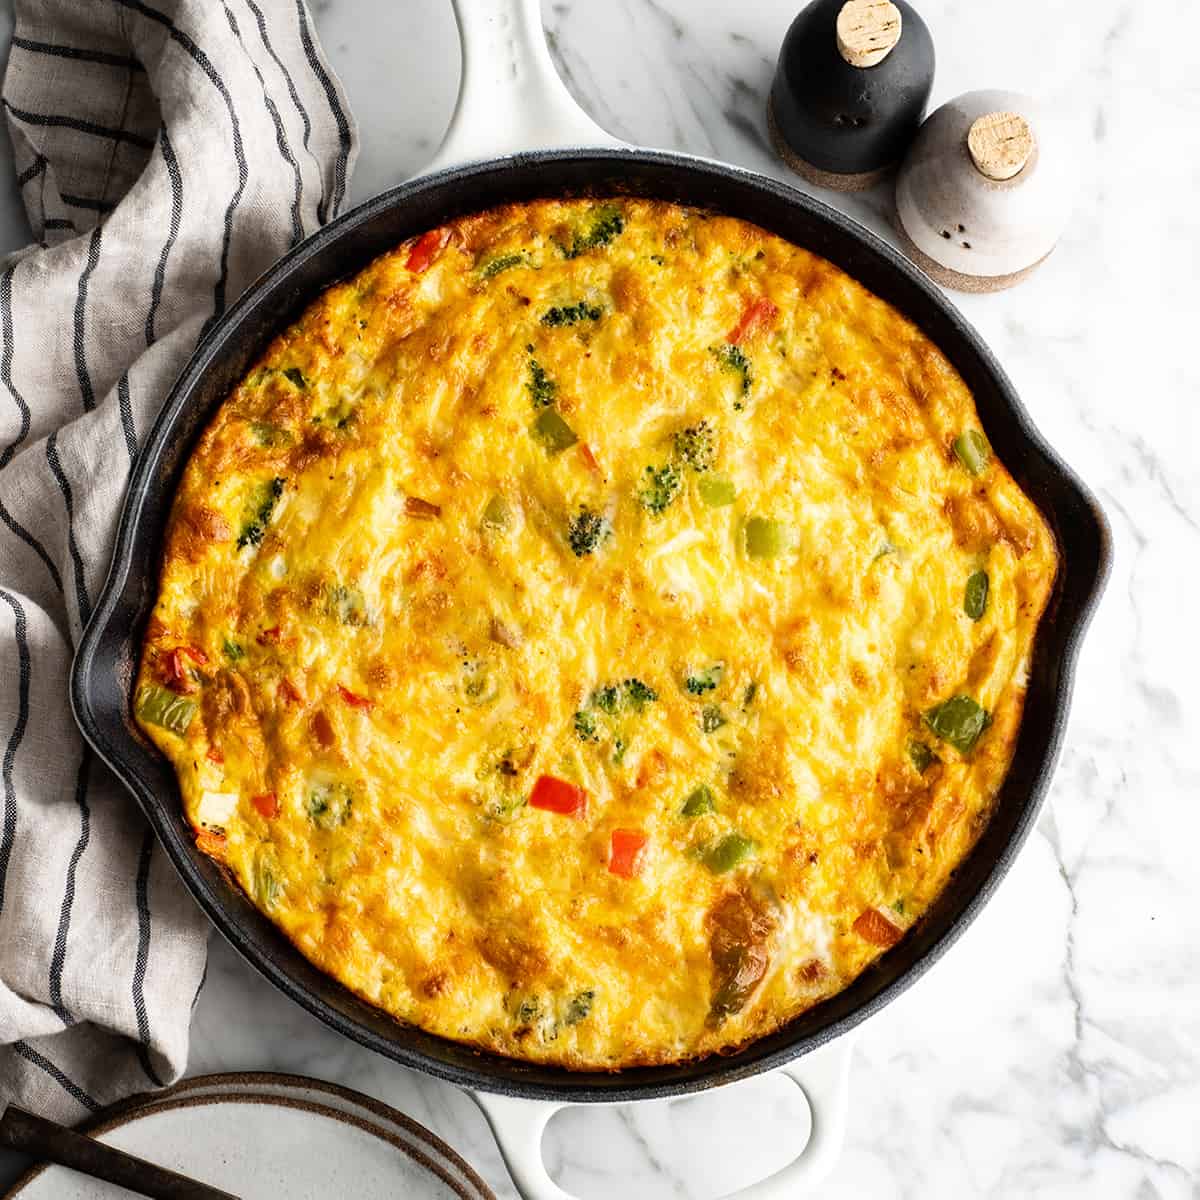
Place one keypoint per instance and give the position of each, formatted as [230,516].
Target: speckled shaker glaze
[844,126]
[969,231]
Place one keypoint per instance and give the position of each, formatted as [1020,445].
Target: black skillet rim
[1075,516]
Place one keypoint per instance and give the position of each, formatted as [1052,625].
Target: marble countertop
[1055,1051]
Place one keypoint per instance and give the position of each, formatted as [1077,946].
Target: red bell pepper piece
[757,312]
[872,926]
[214,755]
[354,699]
[175,671]
[626,854]
[558,796]
[210,843]
[267,804]
[425,249]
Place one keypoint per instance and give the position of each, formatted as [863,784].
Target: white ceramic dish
[272,1137]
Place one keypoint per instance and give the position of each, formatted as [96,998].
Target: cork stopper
[1000,144]
[867,31]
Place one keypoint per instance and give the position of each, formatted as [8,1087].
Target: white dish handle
[510,97]
[823,1076]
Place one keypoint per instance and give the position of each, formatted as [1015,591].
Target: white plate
[272,1137]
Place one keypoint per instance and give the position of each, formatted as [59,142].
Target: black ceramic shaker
[850,90]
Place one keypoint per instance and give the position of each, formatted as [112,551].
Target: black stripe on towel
[63,121]
[125,407]
[15,527]
[6,357]
[202,60]
[88,202]
[59,957]
[160,272]
[6,455]
[83,603]
[280,136]
[291,87]
[32,171]
[30,1055]
[343,125]
[59,223]
[143,958]
[200,985]
[8,831]
[77,53]
[81,369]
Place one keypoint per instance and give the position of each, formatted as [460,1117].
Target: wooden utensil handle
[24,1132]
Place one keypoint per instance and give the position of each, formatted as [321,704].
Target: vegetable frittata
[595,632]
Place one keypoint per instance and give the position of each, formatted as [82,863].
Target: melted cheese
[385,609]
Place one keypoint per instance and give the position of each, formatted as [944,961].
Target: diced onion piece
[216,808]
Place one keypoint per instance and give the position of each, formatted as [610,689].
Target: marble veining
[1055,1051]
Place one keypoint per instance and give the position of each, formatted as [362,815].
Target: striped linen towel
[167,152]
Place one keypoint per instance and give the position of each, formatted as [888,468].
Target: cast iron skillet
[509,89]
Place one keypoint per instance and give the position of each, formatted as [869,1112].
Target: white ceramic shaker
[985,190]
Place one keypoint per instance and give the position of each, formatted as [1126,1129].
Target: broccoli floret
[660,486]
[694,446]
[587,529]
[711,718]
[329,805]
[732,359]
[346,604]
[542,389]
[578,1007]
[606,225]
[296,376]
[585,726]
[571,314]
[258,514]
[638,694]
[629,693]
[704,681]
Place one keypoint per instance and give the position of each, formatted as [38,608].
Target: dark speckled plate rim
[101,678]
[203,1090]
